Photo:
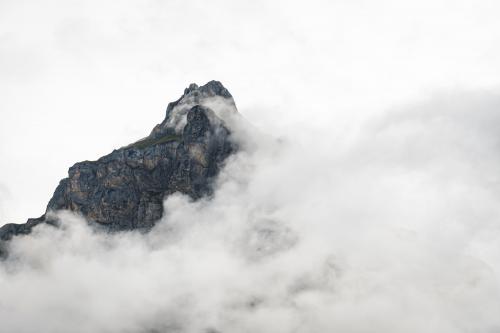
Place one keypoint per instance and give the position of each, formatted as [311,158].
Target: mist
[365,197]
[393,228]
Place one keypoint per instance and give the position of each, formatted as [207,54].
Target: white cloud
[358,220]
[397,231]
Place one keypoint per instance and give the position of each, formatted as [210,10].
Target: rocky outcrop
[125,189]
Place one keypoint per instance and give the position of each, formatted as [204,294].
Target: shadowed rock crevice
[125,189]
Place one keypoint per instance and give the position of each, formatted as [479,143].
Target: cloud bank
[391,229]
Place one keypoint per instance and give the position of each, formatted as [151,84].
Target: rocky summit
[125,189]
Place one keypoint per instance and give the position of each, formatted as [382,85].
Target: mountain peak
[125,189]
[212,95]
[210,89]
[216,88]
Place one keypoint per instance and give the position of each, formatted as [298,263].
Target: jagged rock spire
[126,188]
[212,95]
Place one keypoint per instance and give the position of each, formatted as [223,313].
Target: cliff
[125,189]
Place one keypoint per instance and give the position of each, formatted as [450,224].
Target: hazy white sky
[79,78]
[377,212]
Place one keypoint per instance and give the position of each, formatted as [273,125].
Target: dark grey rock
[125,189]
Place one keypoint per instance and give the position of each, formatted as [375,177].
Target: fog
[366,198]
[392,229]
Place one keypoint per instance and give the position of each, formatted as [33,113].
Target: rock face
[125,189]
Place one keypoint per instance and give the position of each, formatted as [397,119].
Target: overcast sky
[80,78]
[377,211]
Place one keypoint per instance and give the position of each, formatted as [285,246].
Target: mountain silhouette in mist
[125,189]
